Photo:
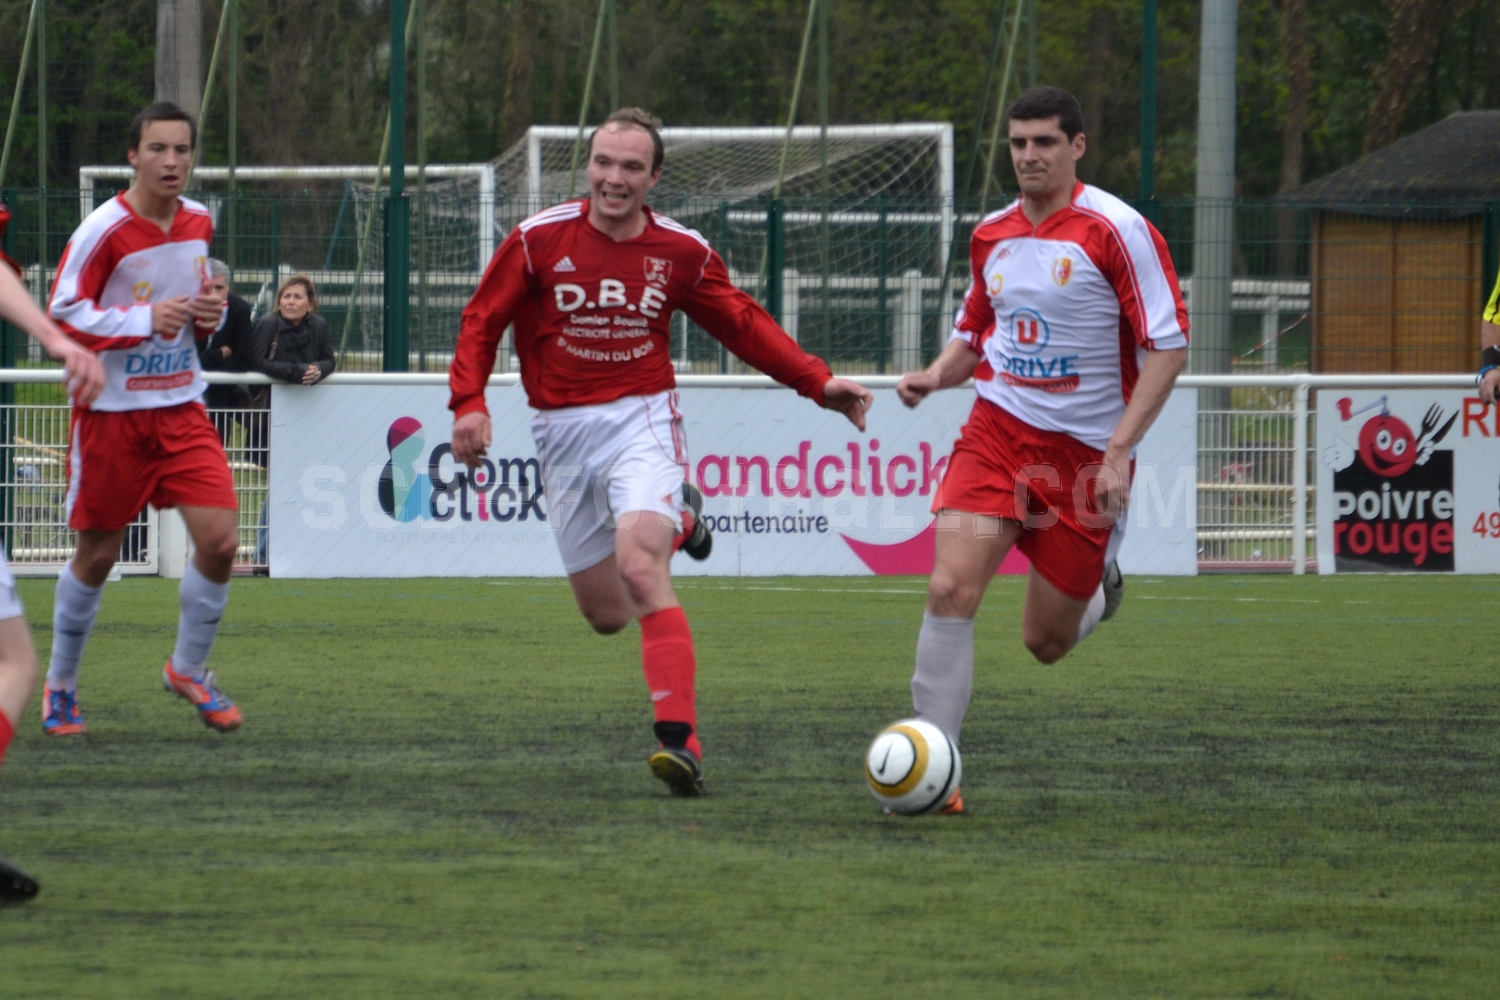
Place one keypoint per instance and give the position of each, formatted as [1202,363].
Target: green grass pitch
[1240,787]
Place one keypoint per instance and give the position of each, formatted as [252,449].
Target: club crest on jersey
[658,271]
[1062,271]
[1029,332]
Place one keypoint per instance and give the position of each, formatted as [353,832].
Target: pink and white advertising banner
[362,484]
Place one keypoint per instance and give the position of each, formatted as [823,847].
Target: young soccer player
[132,285]
[85,380]
[1074,331]
[590,286]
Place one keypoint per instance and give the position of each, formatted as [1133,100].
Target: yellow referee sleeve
[1492,310]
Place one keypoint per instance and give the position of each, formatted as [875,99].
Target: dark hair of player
[307,287]
[1048,102]
[641,119]
[162,111]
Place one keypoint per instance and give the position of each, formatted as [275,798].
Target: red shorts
[1004,467]
[167,457]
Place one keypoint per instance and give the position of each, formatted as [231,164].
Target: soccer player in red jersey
[590,287]
[1074,331]
[85,380]
[133,286]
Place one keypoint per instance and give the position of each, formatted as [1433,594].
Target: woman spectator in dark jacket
[292,343]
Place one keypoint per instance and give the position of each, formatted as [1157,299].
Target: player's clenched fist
[471,438]
[916,386]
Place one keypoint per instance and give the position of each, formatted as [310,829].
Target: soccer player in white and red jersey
[1074,331]
[85,379]
[590,286]
[133,286]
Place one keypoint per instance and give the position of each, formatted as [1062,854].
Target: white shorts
[10,601]
[602,462]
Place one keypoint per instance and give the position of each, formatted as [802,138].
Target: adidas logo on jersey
[566,264]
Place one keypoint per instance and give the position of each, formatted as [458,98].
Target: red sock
[7,731]
[669,665]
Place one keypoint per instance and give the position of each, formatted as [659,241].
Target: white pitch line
[1247,600]
[686,586]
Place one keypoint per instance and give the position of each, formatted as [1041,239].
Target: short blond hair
[636,118]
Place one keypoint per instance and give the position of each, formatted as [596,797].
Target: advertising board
[1408,481]
[363,484]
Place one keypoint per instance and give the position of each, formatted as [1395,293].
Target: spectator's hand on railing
[311,374]
[471,438]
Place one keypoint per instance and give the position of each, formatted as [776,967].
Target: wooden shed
[1403,250]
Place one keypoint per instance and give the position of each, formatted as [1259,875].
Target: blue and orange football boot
[60,714]
[214,707]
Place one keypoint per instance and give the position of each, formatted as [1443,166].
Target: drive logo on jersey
[1392,492]
[1029,333]
[997,285]
[1062,271]
[658,271]
[142,291]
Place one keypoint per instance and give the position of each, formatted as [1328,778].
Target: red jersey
[591,316]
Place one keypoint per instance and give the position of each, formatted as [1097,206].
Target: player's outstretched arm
[85,375]
[849,398]
[950,368]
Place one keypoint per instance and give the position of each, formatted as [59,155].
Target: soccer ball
[912,767]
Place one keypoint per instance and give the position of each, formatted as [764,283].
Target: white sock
[1092,614]
[73,612]
[202,602]
[944,678]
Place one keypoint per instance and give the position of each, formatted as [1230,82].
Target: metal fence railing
[34,491]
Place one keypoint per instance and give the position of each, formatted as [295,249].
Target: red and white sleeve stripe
[87,263]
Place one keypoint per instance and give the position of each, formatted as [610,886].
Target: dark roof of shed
[1446,168]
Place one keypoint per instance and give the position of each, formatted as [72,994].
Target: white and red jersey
[591,315]
[1063,313]
[114,267]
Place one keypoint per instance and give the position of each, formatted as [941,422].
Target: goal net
[861,245]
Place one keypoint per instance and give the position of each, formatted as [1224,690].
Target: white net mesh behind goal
[909,164]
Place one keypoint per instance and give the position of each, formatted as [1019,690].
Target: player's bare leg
[202,597]
[970,547]
[17,670]
[637,582]
[1053,622]
[80,588]
[17,681]
[603,597]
